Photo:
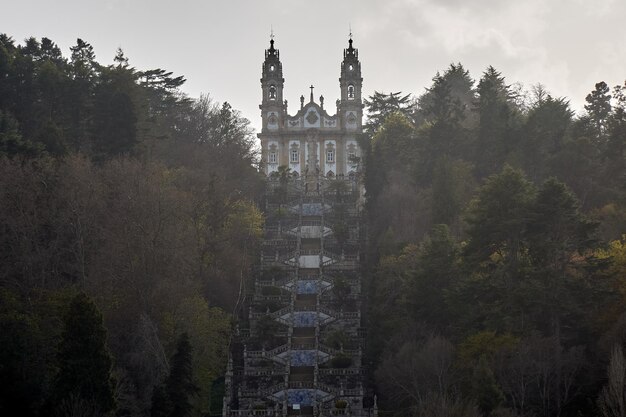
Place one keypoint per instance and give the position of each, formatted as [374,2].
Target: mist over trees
[496,249]
[496,260]
[120,192]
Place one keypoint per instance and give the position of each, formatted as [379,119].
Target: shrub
[341,361]
[341,404]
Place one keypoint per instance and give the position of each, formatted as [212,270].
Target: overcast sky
[567,45]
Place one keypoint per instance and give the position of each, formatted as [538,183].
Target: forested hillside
[496,260]
[127,219]
[497,263]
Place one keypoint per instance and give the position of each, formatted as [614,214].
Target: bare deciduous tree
[612,400]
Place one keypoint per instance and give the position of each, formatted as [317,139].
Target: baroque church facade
[312,141]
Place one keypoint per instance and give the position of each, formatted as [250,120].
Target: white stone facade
[312,141]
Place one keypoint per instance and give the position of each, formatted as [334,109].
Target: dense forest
[125,206]
[496,265]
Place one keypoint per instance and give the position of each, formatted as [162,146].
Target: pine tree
[115,110]
[559,239]
[544,134]
[485,388]
[380,106]
[180,385]
[616,141]
[495,110]
[599,108]
[161,405]
[84,360]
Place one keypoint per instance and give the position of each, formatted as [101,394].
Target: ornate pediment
[311,116]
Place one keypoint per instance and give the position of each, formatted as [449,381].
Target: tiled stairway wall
[298,350]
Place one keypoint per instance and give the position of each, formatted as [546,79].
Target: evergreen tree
[161,405]
[84,360]
[115,110]
[459,86]
[615,173]
[496,252]
[598,108]
[498,217]
[83,71]
[24,374]
[496,117]
[180,385]
[446,137]
[544,135]
[452,187]
[11,141]
[559,241]
[485,388]
[437,269]
[7,86]
[379,106]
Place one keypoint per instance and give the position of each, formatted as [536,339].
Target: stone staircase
[298,377]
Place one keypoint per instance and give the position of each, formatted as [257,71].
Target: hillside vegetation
[496,249]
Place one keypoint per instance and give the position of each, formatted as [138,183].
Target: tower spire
[272,49]
[350,50]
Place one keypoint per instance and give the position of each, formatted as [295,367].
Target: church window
[272,157]
[272,92]
[330,156]
[351,67]
[272,67]
[350,92]
[295,157]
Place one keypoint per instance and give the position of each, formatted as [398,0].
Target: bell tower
[272,83]
[350,82]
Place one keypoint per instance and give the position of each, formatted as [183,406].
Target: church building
[311,142]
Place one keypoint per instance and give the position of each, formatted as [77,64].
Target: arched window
[272,92]
[350,92]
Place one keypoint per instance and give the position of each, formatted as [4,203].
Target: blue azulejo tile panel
[306,287]
[303,397]
[303,357]
[312,209]
[303,319]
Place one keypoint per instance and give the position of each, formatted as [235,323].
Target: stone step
[306,297]
[301,370]
[303,332]
[311,244]
[302,340]
[301,378]
[303,303]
